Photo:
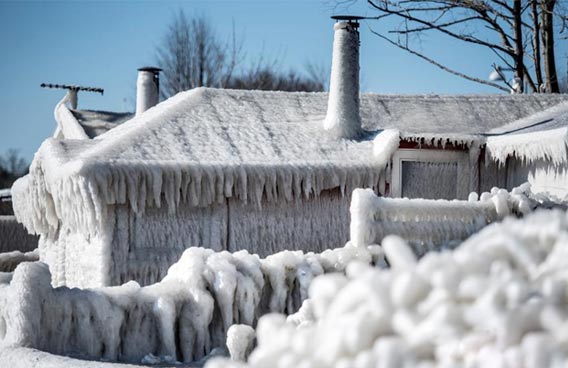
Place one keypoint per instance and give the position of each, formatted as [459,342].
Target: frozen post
[147,88]
[342,118]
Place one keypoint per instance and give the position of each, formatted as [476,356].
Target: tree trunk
[547,14]
[519,50]
[536,44]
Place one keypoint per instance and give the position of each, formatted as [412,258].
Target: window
[431,174]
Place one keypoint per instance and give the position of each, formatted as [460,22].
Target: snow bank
[184,316]
[498,300]
[430,224]
[14,237]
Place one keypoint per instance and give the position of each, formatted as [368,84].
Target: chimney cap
[349,18]
[153,69]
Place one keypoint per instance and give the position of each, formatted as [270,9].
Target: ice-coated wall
[183,317]
[430,224]
[343,119]
[143,247]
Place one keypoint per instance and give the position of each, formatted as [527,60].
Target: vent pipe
[147,88]
[342,119]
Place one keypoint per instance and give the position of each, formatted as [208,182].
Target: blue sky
[102,43]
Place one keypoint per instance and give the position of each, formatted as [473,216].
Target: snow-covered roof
[204,145]
[96,123]
[541,136]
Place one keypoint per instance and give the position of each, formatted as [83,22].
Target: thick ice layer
[184,317]
[385,145]
[342,119]
[67,125]
[429,224]
[497,300]
[548,145]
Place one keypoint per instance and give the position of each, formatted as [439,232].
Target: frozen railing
[429,224]
[181,318]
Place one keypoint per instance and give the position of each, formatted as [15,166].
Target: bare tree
[12,166]
[520,33]
[192,55]
[267,76]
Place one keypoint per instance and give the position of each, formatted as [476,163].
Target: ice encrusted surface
[547,145]
[541,136]
[205,145]
[342,119]
[184,317]
[431,224]
[498,300]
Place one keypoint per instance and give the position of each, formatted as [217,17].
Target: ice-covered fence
[14,237]
[429,224]
[184,316]
[10,260]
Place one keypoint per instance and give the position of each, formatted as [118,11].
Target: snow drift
[498,300]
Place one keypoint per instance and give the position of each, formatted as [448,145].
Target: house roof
[96,123]
[541,136]
[204,145]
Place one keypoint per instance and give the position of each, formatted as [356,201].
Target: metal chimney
[342,119]
[147,88]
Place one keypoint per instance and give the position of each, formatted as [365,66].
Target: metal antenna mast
[73,90]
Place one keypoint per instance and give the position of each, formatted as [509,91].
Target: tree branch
[444,68]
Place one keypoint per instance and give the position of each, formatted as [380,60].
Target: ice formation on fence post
[499,299]
[430,224]
[342,119]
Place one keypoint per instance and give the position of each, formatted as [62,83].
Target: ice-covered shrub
[499,300]
[182,318]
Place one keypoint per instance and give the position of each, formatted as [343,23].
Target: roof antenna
[73,90]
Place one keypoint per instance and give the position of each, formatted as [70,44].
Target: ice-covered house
[264,171]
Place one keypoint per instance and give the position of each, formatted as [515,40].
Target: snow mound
[182,318]
[500,299]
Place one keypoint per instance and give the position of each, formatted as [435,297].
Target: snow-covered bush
[183,317]
[498,300]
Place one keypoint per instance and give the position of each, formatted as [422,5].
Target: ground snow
[500,299]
